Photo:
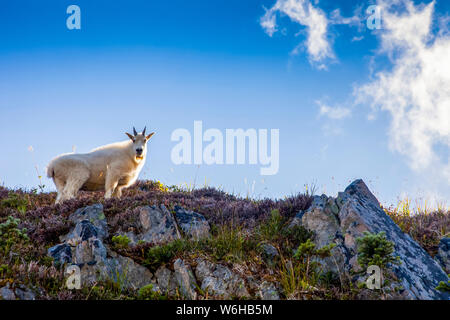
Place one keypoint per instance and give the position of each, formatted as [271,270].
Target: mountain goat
[109,168]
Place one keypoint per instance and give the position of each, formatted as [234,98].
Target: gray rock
[321,217]
[443,256]
[84,247]
[297,220]
[90,221]
[24,293]
[218,280]
[344,219]
[268,291]
[19,293]
[97,263]
[158,225]
[165,280]
[124,269]
[418,273]
[269,252]
[61,253]
[194,225]
[6,293]
[184,280]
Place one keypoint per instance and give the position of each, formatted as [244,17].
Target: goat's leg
[117,192]
[111,182]
[60,188]
[74,183]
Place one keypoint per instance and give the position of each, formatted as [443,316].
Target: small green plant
[159,255]
[11,235]
[297,234]
[16,202]
[229,243]
[375,249]
[305,270]
[272,228]
[120,241]
[149,293]
[307,254]
[444,287]
[4,269]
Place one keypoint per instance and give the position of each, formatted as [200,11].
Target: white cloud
[416,89]
[335,113]
[305,14]
[355,38]
[355,20]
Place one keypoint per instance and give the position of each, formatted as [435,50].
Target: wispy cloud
[335,113]
[416,89]
[306,14]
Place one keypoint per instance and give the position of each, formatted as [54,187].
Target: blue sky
[166,64]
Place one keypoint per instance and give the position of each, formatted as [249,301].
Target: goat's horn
[143,132]
[134,131]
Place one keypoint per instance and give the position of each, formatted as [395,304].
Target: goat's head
[139,143]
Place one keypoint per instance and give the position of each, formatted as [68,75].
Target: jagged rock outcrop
[84,247]
[340,220]
[443,256]
[343,219]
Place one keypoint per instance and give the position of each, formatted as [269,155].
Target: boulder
[84,247]
[269,253]
[165,280]
[321,217]
[343,219]
[268,291]
[158,225]
[219,281]
[193,225]
[184,280]
[181,280]
[18,293]
[6,293]
[95,223]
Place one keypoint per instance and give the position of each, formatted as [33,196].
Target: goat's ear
[149,136]
[130,136]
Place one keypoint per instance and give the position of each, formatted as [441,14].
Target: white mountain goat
[108,168]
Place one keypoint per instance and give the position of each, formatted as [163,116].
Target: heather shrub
[423,225]
[15,201]
[11,235]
